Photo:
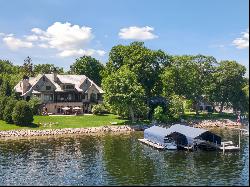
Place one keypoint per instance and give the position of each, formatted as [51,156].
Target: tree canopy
[89,66]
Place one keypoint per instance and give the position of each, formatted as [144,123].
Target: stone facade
[60,91]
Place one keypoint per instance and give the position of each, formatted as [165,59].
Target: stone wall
[90,130]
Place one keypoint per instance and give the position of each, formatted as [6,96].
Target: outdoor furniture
[77,110]
[65,109]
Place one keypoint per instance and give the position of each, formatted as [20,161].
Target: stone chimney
[25,84]
[54,75]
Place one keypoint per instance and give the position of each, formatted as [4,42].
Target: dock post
[223,147]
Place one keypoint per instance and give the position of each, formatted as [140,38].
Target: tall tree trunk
[221,106]
[132,115]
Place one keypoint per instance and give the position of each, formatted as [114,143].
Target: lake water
[117,159]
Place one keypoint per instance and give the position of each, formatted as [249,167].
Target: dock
[157,146]
[228,146]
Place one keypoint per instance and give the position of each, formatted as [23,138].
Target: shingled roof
[76,80]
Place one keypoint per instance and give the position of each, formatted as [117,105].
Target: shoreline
[86,130]
[206,124]
[222,123]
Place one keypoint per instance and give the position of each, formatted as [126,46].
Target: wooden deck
[230,148]
[157,146]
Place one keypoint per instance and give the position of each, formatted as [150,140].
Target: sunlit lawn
[58,122]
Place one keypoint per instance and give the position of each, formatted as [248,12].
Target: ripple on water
[116,160]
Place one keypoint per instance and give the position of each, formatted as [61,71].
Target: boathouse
[182,135]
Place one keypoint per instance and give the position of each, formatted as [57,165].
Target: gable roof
[76,80]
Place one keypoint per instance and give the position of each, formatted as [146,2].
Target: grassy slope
[67,122]
[59,122]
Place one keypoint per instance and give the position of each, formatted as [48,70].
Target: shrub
[7,115]
[22,113]
[188,105]
[99,109]
[159,115]
[35,104]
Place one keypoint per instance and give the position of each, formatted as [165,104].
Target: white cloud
[15,43]
[243,41]
[37,31]
[64,36]
[100,52]
[42,45]
[31,38]
[137,33]
[73,52]
[67,39]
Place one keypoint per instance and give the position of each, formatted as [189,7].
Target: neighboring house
[59,91]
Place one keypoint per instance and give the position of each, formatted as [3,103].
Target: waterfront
[117,159]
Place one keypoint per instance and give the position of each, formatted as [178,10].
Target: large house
[61,91]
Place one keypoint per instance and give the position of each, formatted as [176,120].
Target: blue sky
[59,31]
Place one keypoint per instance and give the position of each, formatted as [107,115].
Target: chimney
[25,84]
[54,75]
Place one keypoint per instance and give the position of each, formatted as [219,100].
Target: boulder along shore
[206,124]
[222,123]
[87,130]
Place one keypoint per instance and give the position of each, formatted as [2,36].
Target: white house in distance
[59,91]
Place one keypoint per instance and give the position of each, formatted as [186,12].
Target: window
[48,97]
[70,97]
[99,97]
[48,87]
[68,87]
[93,97]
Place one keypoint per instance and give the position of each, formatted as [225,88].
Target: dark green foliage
[7,116]
[89,66]
[22,113]
[228,84]
[35,104]
[27,67]
[3,102]
[124,94]
[147,64]
[46,69]
[5,88]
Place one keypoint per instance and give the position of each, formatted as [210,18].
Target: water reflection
[117,160]
[126,161]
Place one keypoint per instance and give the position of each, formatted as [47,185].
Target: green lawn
[58,122]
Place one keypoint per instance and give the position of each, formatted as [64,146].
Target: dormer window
[48,87]
[68,87]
